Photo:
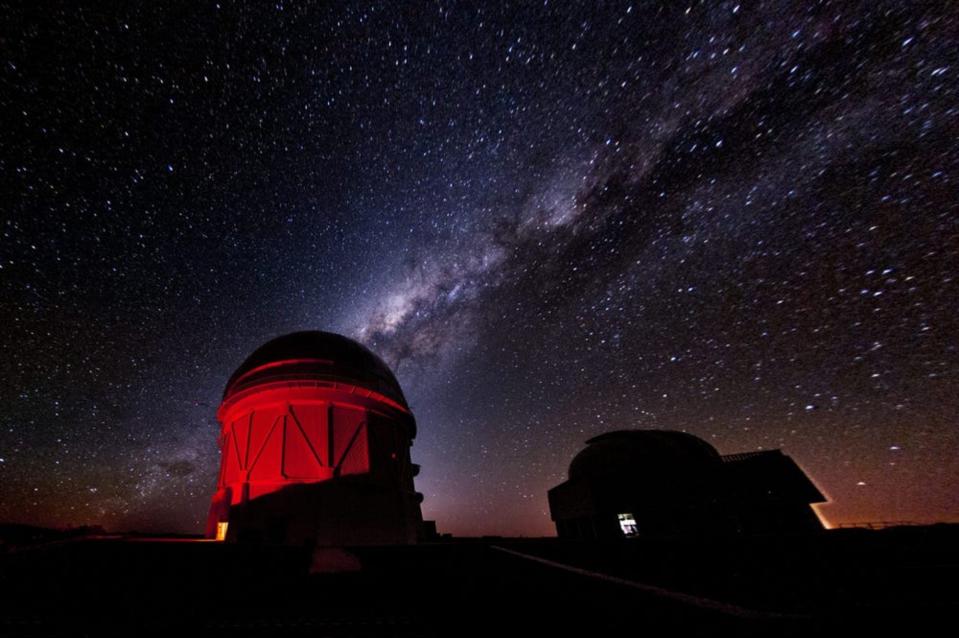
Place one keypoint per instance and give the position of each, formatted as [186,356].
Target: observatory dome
[315,438]
[315,354]
[659,483]
[626,453]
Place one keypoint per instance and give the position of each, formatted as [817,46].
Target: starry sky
[552,219]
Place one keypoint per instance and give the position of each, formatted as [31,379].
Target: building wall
[288,454]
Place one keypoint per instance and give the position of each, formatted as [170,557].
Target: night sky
[737,220]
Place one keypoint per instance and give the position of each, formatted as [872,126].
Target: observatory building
[315,448]
[664,483]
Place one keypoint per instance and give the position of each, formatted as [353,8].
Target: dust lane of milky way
[552,220]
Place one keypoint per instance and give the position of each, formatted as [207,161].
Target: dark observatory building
[664,483]
[315,448]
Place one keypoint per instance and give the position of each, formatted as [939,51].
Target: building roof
[315,353]
[769,474]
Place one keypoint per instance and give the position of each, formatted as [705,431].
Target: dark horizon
[551,221]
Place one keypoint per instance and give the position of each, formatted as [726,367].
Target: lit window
[221,530]
[628,524]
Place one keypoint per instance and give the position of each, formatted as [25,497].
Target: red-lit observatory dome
[315,438]
[316,356]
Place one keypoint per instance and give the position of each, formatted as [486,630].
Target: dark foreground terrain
[844,582]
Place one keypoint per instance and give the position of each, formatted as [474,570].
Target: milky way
[734,219]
